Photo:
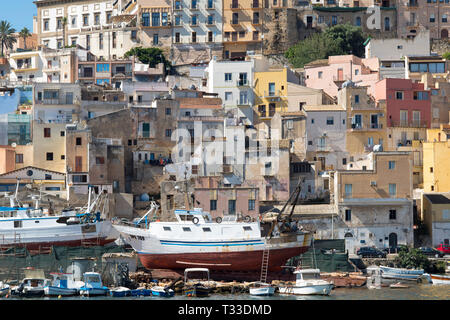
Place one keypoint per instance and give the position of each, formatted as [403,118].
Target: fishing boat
[32,285]
[440,279]
[162,292]
[225,244]
[400,273]
[308,282]
[120,292]
[93,285]
[24,226]
[261,289]
[195,287]
[4,289]
[62,284]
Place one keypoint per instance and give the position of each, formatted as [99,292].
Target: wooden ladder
[264,265]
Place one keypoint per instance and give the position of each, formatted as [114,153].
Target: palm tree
[6,35]
[25,33]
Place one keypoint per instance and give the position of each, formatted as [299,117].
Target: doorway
[393,240]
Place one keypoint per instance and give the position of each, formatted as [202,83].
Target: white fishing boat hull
[4,291]
[262,291]
[319,289]
[439,279]
[57,291]
[90,292]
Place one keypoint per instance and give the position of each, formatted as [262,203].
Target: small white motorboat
[120,292]
[93,285]
[261,289]
[401,273]
[440,279]
[162,292]
[308,282]
[32,285]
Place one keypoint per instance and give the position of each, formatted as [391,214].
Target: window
[177,20]
[168,133]
[444,16]
[211,19]
[333,20]
[251,204]
[19,158]
[194,37]
[255,35]
[210,36]
[319,75]
[78,141]
[392,214]
[330,120]
[399,95]
[358,21]
[85,20]
[156,19]
[177,5]
[432,18]
[49,156]
[348,190]
[391,165]
[167,229]
[177,37]
[186,229]
[228,76]
[348,215]
[420,95]
[146,130]
[146,19]
[155,39]
[46,24]
[356,98]
[271,88]
[228,96]
[47,132]
[212,205]
[247,228]
[392,189]
[99,160]
[231,206]
[18,224]
[210,4]
[164,18]
[206,229]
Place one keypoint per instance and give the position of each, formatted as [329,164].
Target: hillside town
[147,101]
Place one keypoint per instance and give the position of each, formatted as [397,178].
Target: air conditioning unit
[373,183]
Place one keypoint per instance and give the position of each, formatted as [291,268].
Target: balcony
[235,6]
[412,24]
[413,4]
[409,124]
[242,83]
[226,169]
[360,127]
[272,94]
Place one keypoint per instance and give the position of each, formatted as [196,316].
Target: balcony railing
[360,127]
[272,94]
[235,5]
[241,82]
[409,124]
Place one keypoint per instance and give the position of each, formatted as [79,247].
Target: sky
[18,12]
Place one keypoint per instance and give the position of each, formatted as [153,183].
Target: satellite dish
[13,144]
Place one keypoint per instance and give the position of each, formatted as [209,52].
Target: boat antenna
[186,200]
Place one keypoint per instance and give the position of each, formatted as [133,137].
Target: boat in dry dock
[195,240]
[32,228]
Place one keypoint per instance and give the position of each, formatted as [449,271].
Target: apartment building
[417,66]
[366,120]
[374,205]
[414,15]
[436,217]
[87,23]
[436,150]
[242,28]
[329,74]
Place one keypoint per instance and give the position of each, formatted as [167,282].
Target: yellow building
[366,120]
[49,144]
[242,27]
[436,152]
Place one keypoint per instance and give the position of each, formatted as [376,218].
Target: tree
[6,35]
[25,33]
[412,259]
[337,40]
[349,38]
[318,46]
[446,56]
[64,23]
[150,56]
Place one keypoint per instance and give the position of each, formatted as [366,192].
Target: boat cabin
[307,274]
[62,280]
[188,271]
[92,279]
[189,215]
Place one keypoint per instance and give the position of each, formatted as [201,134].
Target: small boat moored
[120,292]
[32,285]
[141,292]
[400,273]
[440,279]
[308,282]
[62,285]
[194,287]
[162,292]
[261,289]
[93,285]
[4,289]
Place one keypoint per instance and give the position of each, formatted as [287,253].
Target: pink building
[329,74]
[408,104]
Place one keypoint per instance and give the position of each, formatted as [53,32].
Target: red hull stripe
[233,261]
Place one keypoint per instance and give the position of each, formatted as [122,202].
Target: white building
[325,135]
[233,82]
